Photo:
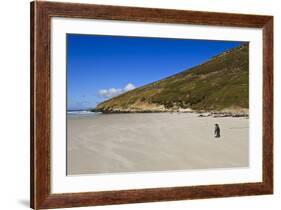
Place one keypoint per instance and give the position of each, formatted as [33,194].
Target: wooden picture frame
[40,188]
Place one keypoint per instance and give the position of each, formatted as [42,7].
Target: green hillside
[219,84]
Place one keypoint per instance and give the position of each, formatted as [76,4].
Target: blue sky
[100,67]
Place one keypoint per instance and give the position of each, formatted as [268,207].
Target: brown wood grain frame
[40,187]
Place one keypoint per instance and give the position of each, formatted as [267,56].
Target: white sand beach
[114,143]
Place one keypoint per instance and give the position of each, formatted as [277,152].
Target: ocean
[81,113]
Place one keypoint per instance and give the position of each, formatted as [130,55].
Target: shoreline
[200,113]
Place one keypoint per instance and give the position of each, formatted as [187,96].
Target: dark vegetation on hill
[219,84]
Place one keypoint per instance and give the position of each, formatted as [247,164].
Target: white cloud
[112,92]
[109,93]
[129,87]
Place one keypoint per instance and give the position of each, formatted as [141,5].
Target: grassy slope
[220,83]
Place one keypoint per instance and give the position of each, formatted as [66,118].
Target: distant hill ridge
[217,85]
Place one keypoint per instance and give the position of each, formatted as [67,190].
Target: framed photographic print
[136,105]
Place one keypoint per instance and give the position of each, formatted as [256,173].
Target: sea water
[81,113]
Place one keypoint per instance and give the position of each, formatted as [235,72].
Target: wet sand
[114,143]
